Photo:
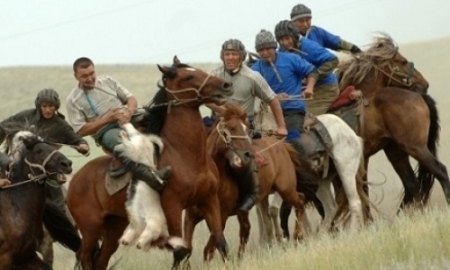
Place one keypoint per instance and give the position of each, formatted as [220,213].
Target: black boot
[298,147]
[155,179]
[249,187]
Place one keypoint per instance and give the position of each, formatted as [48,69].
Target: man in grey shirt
[98,106]
[248,85]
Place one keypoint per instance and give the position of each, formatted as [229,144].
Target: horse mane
[232,110]
[379,54]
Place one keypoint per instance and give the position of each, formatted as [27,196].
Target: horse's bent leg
[113,229]
[244,231]
[326,197]
[46,248]
[400,161]
[264,222]
[211,210]
[173,212]
[274,212]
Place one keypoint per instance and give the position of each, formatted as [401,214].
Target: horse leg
[285,212]
[90,227]
[45,248]
[112,230]
[274,211]
[244,231]
[191,218]
[211,210]
[366,210]
[400,161]
[264,222]
[326,197]
[298,201]
[429,162]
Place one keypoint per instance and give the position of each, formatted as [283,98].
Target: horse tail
[307,177]
[60,227]
[425,177]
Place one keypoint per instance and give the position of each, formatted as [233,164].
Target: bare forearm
[277,112]
[311,82]
[132,104]
[92,127]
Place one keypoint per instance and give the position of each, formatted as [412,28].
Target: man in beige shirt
[98,106]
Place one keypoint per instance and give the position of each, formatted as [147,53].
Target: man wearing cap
[248,85]
[301,16]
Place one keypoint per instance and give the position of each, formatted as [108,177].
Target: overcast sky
[56,32]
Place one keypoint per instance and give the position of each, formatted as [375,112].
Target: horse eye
[190,77]
[20,138]
[39,151]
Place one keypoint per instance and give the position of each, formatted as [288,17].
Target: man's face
[287,42]
[303,24]
[86,77]
[267,54]
[231,60]
[48,110]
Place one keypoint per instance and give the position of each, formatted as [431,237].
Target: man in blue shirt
[301,17]
[284,73]
[326,88]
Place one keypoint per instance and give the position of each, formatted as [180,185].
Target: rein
[394,71]
[39,178]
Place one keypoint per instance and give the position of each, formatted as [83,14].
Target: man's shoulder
[249,73]
[217,71]
[74,94]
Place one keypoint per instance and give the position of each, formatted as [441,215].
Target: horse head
[390,66]
[187,84]
[43,158]
[232,140]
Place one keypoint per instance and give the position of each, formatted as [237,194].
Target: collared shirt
[87,106]
[247,86]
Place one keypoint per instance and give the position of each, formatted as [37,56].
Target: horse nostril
[248,154]
[66,163]
[227,86]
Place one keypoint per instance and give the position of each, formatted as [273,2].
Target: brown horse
[398,120]
[174,115]
[232,149]
[23,206]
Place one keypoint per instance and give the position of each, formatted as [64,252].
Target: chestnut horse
[232,149]
[173,115]
[396,92]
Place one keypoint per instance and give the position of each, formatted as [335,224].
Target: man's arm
[277,112]
[92,127]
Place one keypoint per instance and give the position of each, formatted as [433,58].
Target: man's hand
[282,96]
[123,117]
[281,131]
[308,93]
[111,115]
[83,149]
[4,182]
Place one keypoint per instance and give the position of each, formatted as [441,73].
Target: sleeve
[215,72]
[75,115]
[122,93]
[4,161]
[261,88]
[348,46]
[70,137]
[330,41]
[303,68]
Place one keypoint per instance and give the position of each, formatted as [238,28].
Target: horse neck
[371,83]
[183,129]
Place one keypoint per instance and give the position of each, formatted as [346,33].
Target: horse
[396,93]
[12,147]
[347,164]
[173,115]
[232,149]
[23,206]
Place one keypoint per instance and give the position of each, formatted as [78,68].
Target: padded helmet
[300,11]
[233,45]
[47,95]
[286,28]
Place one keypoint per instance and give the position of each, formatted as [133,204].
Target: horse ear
[163,70]
[176,61]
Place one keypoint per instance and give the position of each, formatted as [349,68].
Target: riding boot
[298,147]
[249,188]
[156,179]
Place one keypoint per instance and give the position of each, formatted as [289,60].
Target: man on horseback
[98,106]
[284,73]
[51,125]
[248,85]
[326,89]
[301,16]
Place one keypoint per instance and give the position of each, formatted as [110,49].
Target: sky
[56,32]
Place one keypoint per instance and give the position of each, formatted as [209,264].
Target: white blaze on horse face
[244,127]
[191,69]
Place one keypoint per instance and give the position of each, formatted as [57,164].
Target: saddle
[115,167]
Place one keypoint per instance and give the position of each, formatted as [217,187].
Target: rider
[284,73]
[248,85]
[326,89]
[301,17]
[98,106]
[51,125]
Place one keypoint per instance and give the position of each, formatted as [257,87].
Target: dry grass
[418,241]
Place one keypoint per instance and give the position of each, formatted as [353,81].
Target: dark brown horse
[23,207]
[174,115]
[401,118]
[232,149]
